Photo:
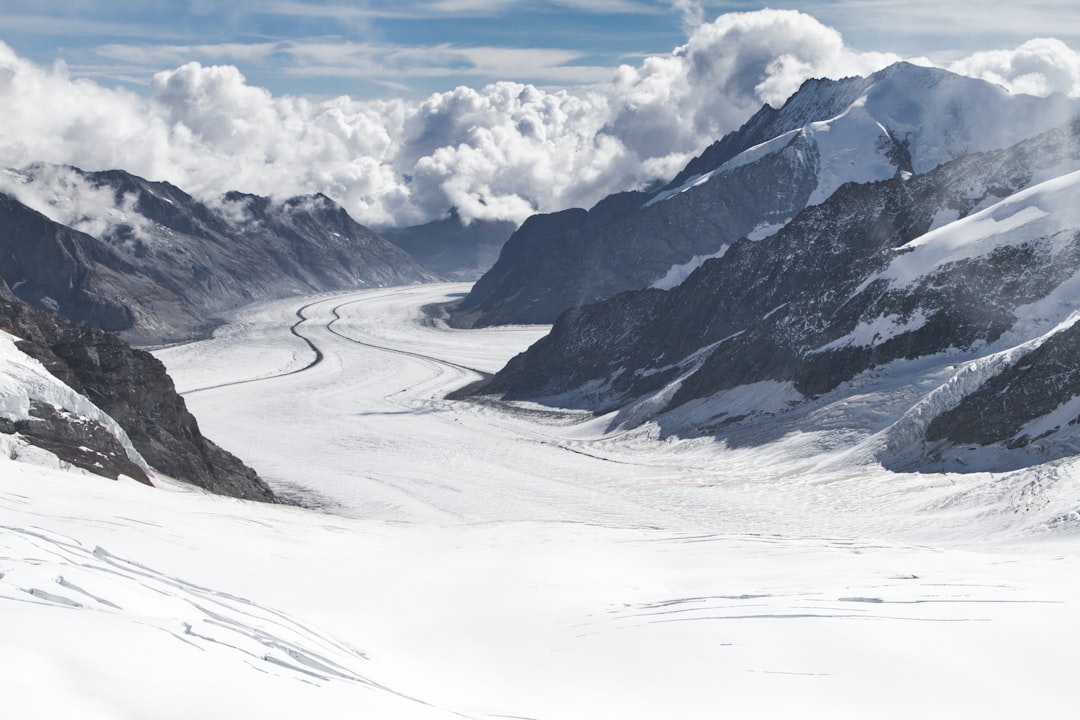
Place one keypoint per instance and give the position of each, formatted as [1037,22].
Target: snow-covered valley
[473,560]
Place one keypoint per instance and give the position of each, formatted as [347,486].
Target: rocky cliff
[132,388]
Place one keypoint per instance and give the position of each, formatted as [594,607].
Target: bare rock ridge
[900,121]
[155,265]
[962,281]
[133,388]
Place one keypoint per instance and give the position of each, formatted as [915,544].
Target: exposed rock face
[576,257]
[902,120]
[153,264]
[83,442]
[1035,385]
[64,271]
[850,285]
[451,249]
[134,389]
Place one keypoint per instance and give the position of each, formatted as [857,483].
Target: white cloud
[1038,67]
[724,73]
[501,151]
[68,198]
[959,20]
[693,14]
[149,55]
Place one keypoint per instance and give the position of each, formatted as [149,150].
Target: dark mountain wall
[576,257]
[132,387]
[62,270]
[1035,385]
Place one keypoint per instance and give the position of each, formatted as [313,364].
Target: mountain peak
[902,121]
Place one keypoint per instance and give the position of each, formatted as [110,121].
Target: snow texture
[483,562]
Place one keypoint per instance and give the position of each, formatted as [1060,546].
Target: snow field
[482,563]
[195,604]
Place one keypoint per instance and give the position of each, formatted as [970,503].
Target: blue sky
[406,48]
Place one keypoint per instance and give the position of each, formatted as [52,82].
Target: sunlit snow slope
[485,563]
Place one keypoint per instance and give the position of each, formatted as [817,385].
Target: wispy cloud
[295,8]
[170,55]
[692,12]
[427,9]
[59,26]
[386,64]
[965,21]
[613,7]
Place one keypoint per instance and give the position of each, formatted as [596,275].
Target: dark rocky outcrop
[65,271]
[1033,386]
[80,441]
[132,387]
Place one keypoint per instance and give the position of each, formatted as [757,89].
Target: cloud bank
[1038,67]
[503,151]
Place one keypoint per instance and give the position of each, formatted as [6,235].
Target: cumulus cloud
[725,72]
[1038,67]
[502,151]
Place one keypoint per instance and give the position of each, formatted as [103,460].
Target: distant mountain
[83,396]
[932,316]
[452,249]
[147,260]
[900,121]
[56,268]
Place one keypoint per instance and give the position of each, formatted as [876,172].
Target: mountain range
[82,253]
[148,261]
[892,260]
[903,120]
[930,313]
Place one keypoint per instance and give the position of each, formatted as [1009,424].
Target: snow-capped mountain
[149,261]
[903,120]
[931,313]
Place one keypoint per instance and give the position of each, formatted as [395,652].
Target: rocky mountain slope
[932,316]
[900,121]
[84,396]
[148,261]
[62,270]
[450,248]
